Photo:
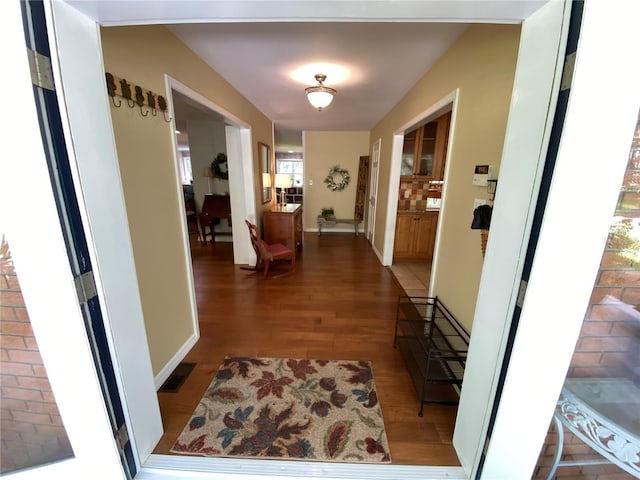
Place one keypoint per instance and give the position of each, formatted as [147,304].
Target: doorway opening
[200,138]
[211,131]
[385,243]
[422,182]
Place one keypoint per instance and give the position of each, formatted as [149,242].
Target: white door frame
[590,164]
[240,165]
[373,190]
[534,97]
[43,267]
[394,178]
[243,201]
[160,466]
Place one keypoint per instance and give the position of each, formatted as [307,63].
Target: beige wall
[481,64]
[143,55]
[323,150]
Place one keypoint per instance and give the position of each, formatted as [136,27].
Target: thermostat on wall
[481,175]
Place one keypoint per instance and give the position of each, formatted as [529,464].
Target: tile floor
[413,277]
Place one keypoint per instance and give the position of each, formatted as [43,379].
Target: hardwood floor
[340,304]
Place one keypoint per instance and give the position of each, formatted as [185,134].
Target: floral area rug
[322,410]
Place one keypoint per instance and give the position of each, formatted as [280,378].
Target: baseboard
[378,254]
[163,374]
[334,230]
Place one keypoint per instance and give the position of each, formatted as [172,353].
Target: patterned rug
[323,410]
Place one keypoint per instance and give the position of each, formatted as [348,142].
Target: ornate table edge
[608,439]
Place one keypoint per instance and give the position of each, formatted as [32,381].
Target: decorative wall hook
[111,90]
[140,100]
[125,88]
[151,101]
[162,103]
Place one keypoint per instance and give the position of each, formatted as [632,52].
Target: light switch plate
[481,175]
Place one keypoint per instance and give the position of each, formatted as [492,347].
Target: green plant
[327,212]
[624,236]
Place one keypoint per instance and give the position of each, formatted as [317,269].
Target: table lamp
[283,181]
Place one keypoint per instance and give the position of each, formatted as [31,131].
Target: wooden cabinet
[415,236]
[425,149]
[283,224]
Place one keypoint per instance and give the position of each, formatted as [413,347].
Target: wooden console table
[283,224]
[214,207]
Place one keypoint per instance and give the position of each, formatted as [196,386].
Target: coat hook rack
[136,96]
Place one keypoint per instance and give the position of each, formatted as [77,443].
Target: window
[185,168]
[293,167]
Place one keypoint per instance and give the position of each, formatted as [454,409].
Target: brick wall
[31,429]
[609,342]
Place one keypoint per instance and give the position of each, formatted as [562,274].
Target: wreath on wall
[219,167]
[338,179]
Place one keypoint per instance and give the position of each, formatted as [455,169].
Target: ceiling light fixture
[320,96]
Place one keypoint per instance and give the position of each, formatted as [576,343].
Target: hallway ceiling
[378,49]
[377,62]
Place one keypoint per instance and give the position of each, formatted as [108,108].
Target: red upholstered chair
[268,254]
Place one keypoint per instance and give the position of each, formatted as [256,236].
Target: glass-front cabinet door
[427,149]
[408,153]
[424,150]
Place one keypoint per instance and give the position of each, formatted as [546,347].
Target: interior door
[373,189]
[51,262]
[576,243]
[361,189]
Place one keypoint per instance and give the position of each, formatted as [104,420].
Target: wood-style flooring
[340,304]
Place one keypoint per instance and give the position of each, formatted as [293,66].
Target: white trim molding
[163,467]
[171,365]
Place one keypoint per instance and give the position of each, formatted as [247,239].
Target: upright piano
[214,207]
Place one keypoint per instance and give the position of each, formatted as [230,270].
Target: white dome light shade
[320,96]
[320,99]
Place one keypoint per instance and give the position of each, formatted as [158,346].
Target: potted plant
[327,213]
